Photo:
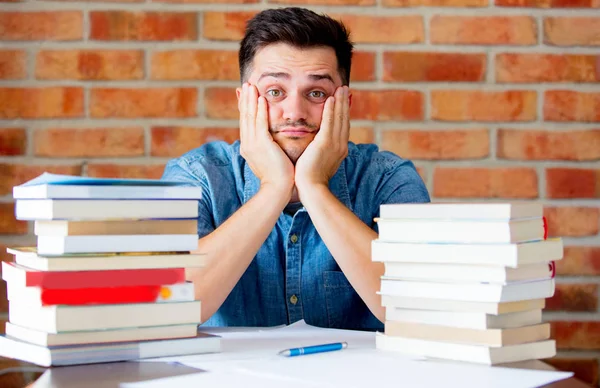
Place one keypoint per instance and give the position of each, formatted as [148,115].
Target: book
[466,272]
[122,227]
[62,191]
[464,211]
[60,179]
[57,245]
[466,320]
[28,257]
[486,337]
[476,292]
[37,296]
[20,276]
[461,231]
[41,338]
[108,352]
[101,209]
[56,319]
[479,354]
[508,255]
[433,304]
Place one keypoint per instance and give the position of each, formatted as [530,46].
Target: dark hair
[298,27]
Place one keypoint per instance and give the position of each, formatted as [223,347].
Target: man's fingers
[252,106]
[243,108]
[327,119]
[262,121]
[338,114]
[345,127]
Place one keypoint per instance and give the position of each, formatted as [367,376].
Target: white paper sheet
[249,356]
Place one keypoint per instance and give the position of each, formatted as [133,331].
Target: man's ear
[238,93]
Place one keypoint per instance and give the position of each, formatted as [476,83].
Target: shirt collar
[338,184]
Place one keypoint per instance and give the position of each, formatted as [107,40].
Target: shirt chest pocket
[341,299]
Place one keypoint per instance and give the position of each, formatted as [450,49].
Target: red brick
[572,221]
[584,369]
[576,335]
[477,105]
[435,3]
[195,65]
[578,145]
[220,103]
[548,3]
[387,105]
[410,66]
[384,29]
[364,28]
[13,64]
[15,174]
[128,171]
[151,102]
[363,66]
[572,183]
[175,141]
[362,135]
[143,26]
[89,142]
[324,2]
[450,182]
[4,255]
[48,25]
[225,25]
[90,64]
[438,145]
[579,260]
[547,68]
[483,30]
[572,31]
[567,105]
[8,223]
[574,297]
[13,141]
[39,103]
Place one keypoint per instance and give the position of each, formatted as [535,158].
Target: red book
[37,296]
[25,277]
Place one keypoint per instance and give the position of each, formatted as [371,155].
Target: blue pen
[314,349]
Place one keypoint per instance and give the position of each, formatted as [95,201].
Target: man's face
[296,82]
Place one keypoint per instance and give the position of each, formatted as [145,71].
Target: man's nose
[295,108]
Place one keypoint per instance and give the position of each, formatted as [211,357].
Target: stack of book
[106,279]
[466,282]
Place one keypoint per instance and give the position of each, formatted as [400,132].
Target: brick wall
[492,101]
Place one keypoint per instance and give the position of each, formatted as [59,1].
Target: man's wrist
[308,191]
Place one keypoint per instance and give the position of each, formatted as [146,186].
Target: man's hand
[323,156]
[266,158]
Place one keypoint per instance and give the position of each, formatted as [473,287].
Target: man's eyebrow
[274,75]
[318,77]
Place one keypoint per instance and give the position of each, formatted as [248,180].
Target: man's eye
[274,93]
[317,94]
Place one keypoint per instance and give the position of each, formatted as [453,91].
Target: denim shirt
[293,275]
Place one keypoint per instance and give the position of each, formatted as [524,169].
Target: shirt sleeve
[179,170]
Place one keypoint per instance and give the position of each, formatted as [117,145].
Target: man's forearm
[349,241]
[232,246]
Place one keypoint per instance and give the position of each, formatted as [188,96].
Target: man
[287,214]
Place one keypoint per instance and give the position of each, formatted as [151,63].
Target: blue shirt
[293,276]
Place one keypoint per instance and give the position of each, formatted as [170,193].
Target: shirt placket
[293,270]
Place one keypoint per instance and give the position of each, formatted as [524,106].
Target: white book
[508,255]
[465,211]
[479,354]
[100,209]
[429,304]
[434,272]
[28,257]
[56,319]
[108,352]
[53,191]
[56,245]
[476,292]
[461,231]
[121,227]
[42,338]
[466,320]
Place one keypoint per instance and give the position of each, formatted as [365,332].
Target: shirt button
[294,238]
[294,299]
